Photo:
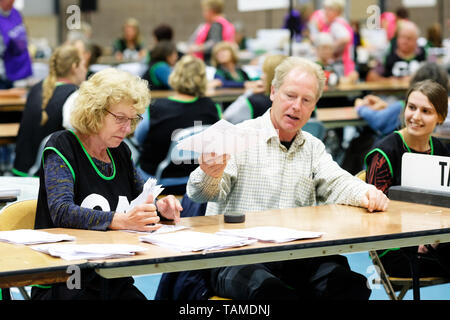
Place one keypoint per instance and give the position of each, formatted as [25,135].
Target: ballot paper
[9,192]
[29,236]
[89,251]
[150,187]
[222,137]
[270,234]
[185,241]
[164,229]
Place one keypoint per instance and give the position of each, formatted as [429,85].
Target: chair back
[18,215]
[37,162]
[316,128]
[176,155]
[134,148]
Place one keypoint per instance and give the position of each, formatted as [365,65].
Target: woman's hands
[144,217]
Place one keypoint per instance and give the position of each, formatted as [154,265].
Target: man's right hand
[212,164]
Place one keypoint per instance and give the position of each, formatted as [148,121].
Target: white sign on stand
[426,172]
[419,3]
[255,5]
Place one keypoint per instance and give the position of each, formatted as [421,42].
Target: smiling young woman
[426,106]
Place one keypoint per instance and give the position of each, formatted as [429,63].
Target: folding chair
[394,284]
[179,157]
[18,215]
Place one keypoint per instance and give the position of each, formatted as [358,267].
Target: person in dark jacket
[43,109]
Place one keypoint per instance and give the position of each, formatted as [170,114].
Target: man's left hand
[375,200]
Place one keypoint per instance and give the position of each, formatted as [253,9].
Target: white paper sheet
[164,229]
[150,187]
[89,251]
[29,236]
[271,234]
[194,241]
[9,192]
[222,137]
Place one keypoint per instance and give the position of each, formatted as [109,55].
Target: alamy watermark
[374,19]
[73,21]
[74,280]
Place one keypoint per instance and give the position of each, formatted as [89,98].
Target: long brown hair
[60,65]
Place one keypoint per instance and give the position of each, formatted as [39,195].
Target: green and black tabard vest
[31,133]
[92,189]
[393,146]
[258,104]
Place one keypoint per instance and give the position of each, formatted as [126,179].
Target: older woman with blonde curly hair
[179,111]
[88,178]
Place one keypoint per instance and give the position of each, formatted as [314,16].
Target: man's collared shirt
[268,176]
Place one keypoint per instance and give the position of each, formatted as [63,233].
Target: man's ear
[272,92]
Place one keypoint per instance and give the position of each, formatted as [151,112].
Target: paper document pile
[270,234]
[28,236]
[89,251]
[164,229]
[222,137]
[195,241]
[150,187]
[9,192]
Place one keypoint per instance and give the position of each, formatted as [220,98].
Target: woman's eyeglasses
[122,120]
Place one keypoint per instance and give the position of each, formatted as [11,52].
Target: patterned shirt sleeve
[378,173]
[60,198]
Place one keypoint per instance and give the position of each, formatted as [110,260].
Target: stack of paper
[195,241]
[222,137]
[28,236]
[271,234]
[150,187]
[8,193]
[164,229]
[89,251]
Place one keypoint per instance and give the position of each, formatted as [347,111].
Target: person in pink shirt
[215,29]
[329,20]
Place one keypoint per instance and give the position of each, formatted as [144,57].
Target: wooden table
[11,104]
[217,95]
[347,229]
[339,117]
[8,132]
[359,88]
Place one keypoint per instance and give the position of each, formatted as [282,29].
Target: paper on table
[195,241]
[89,251]
[29,236]
[271,234]
[9,192]
[164,229]
[222,137]
[150,187]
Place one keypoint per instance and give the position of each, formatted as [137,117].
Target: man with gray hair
[404,58]
[288,168]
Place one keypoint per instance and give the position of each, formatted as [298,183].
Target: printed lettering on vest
[95,200]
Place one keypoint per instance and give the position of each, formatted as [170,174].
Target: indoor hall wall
[183,15]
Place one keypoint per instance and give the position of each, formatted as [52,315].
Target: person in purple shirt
[15,60]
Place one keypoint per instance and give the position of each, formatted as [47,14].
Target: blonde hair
[337,5]
[306,65]
[133,22]
[60,65]
[189,76]
[269,65]
[103,89]
[214,5]
[224,45]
